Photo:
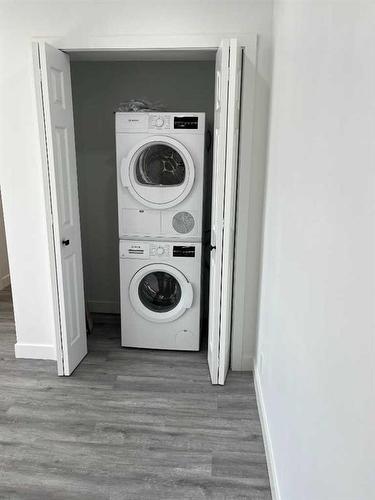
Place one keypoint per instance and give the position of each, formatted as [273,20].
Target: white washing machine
[160,294]
[160,164]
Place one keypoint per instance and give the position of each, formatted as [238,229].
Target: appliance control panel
[183,251]
[185,122]
[134,250]
[160,249]
[181,122]
[154,250]
[159,122]
[163,122]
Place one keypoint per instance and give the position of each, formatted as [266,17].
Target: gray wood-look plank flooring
[128,424]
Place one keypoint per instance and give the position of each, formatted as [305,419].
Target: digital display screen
[189,122]
[183,251]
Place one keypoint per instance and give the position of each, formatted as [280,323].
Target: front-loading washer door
[160,293]
[159,172]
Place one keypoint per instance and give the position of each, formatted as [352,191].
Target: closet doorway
[53,65]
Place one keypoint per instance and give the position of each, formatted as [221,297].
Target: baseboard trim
[4,282]
[275,490]
[103,306]
[35,351]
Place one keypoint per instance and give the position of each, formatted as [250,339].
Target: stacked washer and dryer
[160,163]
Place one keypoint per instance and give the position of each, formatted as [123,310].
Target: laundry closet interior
[159,265]
[173,82]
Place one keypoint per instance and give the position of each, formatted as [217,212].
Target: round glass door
[160,165]
[159,172]
[160,292]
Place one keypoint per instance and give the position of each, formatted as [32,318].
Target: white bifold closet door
[224,187]
[62,172]
[62,169]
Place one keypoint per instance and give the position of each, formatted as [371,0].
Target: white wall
[98,89]
[4,266]
[20,160]
[317,316]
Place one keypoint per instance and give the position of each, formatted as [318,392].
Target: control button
[160,251]
[159,122]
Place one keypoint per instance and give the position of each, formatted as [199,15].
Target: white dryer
[160,164]
[160,294]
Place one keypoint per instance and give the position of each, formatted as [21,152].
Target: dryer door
[159,172]
[160,293]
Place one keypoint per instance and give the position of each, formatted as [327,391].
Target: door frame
[248,42]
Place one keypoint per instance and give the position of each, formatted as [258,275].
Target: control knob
[160,251]
[159,122]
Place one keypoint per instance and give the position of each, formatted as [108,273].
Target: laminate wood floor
[129,424]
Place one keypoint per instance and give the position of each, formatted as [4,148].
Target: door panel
[59,128]
[233,124]
[217,211]
[224,187]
